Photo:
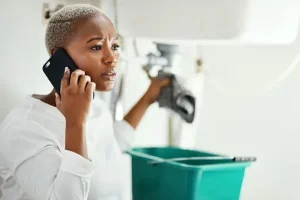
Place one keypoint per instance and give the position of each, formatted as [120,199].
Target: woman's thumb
[166,82]
[57,100]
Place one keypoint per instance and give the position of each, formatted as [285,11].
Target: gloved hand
[177,98]
[155,88]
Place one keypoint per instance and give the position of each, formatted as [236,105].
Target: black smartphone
[54,68]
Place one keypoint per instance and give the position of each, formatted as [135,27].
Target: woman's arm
[77,94]
[124,130]
[40,167]
[135,115]
[54,175]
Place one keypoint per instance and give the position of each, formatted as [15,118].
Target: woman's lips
[109,76]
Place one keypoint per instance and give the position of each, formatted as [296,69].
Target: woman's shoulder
[21,138]
[31,109]
[16,115]
[22,131]
[24,124]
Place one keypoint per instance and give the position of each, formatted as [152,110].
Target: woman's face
[94,49]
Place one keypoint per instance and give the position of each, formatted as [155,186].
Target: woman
[67,147]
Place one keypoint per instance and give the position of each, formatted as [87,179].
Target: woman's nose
[109,57]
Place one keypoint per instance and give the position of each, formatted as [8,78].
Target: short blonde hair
[63,23]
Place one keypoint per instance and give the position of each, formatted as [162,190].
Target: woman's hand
[135,115]
[76,97]
[154,90]
[74,103]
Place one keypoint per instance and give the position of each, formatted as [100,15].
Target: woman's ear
[53,51]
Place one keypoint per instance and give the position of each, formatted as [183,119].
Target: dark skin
[94,49]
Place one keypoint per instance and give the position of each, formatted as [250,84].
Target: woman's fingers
[90,88]
[65,80]
[57,100]
[77,82]
[165,82]
[75,77]
[84,80]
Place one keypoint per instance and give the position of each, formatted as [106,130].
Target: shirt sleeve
[40,168]
[124,134]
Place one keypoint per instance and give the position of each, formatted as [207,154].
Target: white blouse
[34,164]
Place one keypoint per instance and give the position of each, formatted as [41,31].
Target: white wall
[238,122]
[21,55]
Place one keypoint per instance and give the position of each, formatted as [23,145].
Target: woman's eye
[115,47]
[97,47]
